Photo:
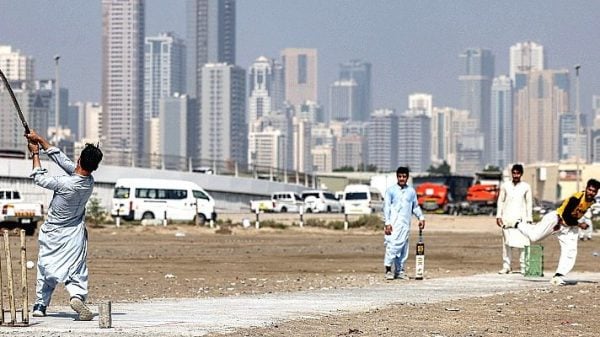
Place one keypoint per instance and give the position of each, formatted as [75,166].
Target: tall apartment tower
[261,82]
[164,70]
[360,72]
[15,65]
[210,38]
[476,85]
[501,129]
[344,101]
[540,97]
[414,141]
[123,76]
[223,128]
[421,102]
[525,57]
[300,66]
[382,140]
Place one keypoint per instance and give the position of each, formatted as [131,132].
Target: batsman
[63,236]
[400,203]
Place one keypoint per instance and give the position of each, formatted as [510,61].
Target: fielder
[400,203]
[514,205]
[564,222]
[63,236]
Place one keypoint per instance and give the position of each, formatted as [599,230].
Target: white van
[138,198]
[362,199]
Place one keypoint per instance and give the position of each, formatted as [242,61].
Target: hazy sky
[413,45]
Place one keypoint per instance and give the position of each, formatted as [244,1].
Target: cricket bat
[420,257]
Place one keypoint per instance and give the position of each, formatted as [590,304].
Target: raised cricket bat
[420,257]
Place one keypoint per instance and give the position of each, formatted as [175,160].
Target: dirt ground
[132,263]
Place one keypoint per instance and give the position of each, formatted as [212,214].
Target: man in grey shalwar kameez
[400,203]
[63,236]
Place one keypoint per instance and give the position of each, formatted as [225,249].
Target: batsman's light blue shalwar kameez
[63,236]
[399,206]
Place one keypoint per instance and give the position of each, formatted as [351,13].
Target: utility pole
[577,126]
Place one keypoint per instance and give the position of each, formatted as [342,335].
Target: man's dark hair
[90,157]
[402,169]
[594,183]
[518,168]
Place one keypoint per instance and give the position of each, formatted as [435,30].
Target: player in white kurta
[63,236]
[514,205]
[400,204]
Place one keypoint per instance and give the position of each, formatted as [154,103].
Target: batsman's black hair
[90,157]
[402,169]
[594,183]
[518,168]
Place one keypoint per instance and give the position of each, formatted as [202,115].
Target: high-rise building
[210,37]
[164,70]
[323,157]
[443,144]
[525,57]
[350,152]
[173,112]
[15,65]
[501,139]
[223,132]
[302,157]
[123,78]
[261,86]
[421,102]
[476,82]
[382,140]
[570,147]
[45,93]
[540,97]
[11,131]
[89,120]
[300,66]
[343,101]
[266,149]
[414,141]
[360,72]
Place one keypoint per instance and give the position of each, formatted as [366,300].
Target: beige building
[323,157]
[300,66]
[540,96]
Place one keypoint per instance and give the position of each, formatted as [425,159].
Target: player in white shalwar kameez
[400,203]
[63,236]
[514,204]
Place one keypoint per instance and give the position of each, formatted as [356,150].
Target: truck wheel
[283,210]
[148,215]
[200,219]
[30,230]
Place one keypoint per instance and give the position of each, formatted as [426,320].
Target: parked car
[320,201]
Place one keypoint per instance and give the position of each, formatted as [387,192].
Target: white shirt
[515,202]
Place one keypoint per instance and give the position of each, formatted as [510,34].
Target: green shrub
[315,223]
[371,221]
[272,224]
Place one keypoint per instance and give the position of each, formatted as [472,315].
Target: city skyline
[408,54]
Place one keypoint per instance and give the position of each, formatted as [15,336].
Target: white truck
[16,213]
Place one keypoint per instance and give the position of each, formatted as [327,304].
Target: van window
[329,196]
[356,196]
[297,197]
[155,193]
[16,195]
[121,193]
[310,194]
[376,197]
[199,195]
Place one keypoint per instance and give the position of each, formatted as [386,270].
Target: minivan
[362,199]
